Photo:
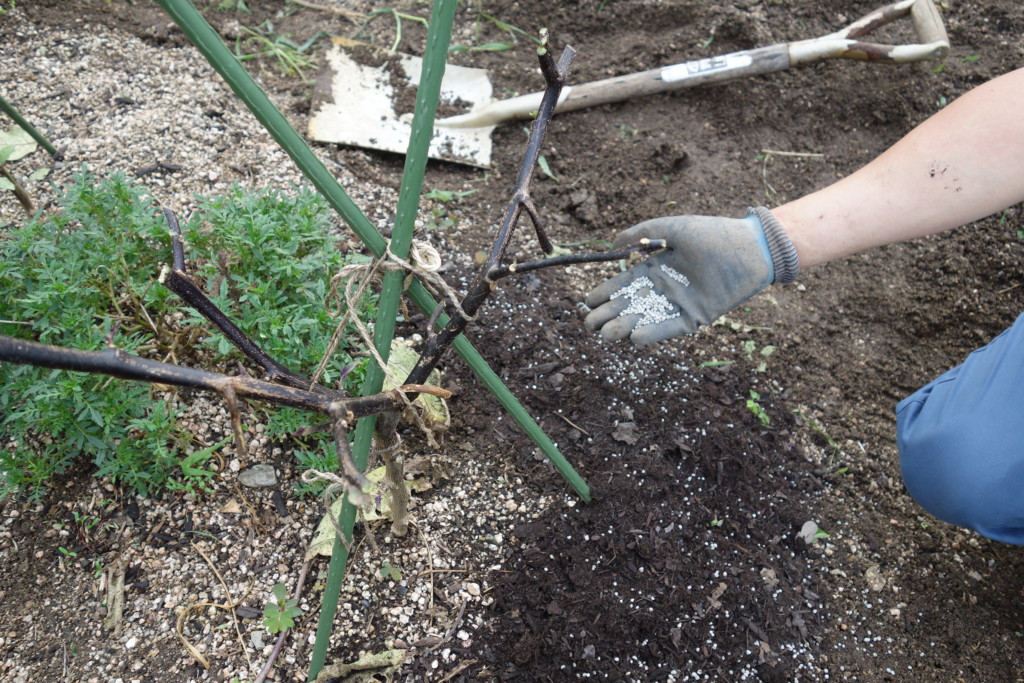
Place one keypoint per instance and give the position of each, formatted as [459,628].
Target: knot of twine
[337,483]
[425,262]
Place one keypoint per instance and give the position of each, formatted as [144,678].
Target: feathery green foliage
[87,275]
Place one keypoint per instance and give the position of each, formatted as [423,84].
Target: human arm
[963,163]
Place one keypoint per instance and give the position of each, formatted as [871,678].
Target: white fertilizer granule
[651,307]
[675,275]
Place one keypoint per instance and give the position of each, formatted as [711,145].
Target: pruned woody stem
[282,386]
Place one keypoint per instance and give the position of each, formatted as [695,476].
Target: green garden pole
[427,97]
[23,123]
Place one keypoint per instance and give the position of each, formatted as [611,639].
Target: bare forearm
[964,163]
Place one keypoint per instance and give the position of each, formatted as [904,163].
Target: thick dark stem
[123,365]
[386,436]
[177,246]
[341,417]
[231,398]
[182,285]
[554,78]
[19,191]
[178,281]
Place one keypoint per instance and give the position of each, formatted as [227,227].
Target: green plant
[440,216]
[386,571]
[84,523]
[398,17]
[818,429]
[514,34]
[67,556]
[193,475]
[545,168]
[754,406]
[276,275]
[233,5]
[263,41]
[749,346]
[86,277]
[280,613]
[627,131]
[446,196]
[59,276]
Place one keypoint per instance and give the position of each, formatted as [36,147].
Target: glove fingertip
[595,298]
[619,328]
[593,321]
[607,311]
[604,291]
[668,329]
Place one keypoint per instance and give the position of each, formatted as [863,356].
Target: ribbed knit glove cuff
[784,258]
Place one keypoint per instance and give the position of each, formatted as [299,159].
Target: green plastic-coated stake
[6,108]
[221,58]
[427,97]
[428,94]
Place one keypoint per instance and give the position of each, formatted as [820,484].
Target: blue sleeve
[961,440]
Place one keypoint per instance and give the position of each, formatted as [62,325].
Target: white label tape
[700,67]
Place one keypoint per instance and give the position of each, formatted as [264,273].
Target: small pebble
[258,476]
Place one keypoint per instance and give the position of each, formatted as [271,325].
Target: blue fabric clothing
[961,440]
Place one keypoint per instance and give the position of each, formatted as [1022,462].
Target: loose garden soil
[688,564]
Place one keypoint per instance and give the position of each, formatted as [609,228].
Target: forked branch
[554,78]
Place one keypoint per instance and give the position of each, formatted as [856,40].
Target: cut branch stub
[355,480]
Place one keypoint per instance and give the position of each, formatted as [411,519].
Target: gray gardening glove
[711,266]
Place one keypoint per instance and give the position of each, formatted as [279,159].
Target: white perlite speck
[651,307]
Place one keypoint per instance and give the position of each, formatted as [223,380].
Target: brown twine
[336,483]
[424,262]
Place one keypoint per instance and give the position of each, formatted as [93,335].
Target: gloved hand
[710,266]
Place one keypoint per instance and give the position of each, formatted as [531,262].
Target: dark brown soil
[687,565]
